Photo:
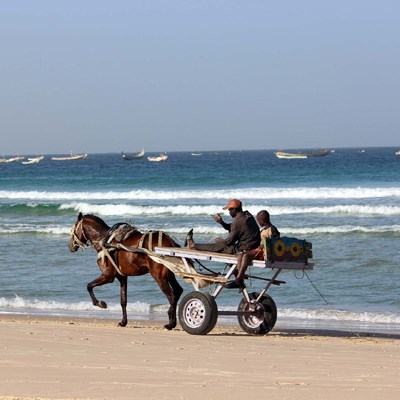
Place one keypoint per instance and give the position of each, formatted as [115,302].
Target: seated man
[243,235]
[245,258]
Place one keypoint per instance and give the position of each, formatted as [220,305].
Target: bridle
[76,240]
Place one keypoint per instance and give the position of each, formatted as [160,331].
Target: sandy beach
[63,358]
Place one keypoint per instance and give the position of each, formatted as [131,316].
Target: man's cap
[234,203]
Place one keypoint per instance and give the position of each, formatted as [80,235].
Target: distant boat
[135,156]
[33,160]
[197,154]
[71,157]
[320,153]
[14,159]
[398,153]
[284,154]
[159,158]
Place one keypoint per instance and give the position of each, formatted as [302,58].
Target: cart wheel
[198,313]
[264,318]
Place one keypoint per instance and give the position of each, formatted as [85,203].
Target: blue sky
[105,76]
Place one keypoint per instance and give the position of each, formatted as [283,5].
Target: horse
[90,230]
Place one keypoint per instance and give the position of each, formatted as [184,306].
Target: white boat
[160,158]
[320,153]
[398,153]
[71,157]
[197,154]
[14,159]
[282,154]
[135,156]
[33,160]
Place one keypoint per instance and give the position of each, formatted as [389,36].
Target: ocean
[346,203]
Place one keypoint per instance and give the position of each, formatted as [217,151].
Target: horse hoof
[169,327]
[102,304]
[122,324]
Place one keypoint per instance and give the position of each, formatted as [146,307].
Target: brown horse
[90,230]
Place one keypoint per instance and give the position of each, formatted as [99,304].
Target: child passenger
[245,258]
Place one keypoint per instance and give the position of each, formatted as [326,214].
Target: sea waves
[188,210]
[17,229]
[21,305]
[308,193]
[129,210]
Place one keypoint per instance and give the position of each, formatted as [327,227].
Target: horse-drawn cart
[257,312]
[124,251]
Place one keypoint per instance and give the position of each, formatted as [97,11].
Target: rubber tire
[258,325]
[198,313]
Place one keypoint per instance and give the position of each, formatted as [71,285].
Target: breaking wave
[21,305]
[206,230]
[189,210]
[210,194]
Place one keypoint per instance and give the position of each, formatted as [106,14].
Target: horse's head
[87,230]
[78,239]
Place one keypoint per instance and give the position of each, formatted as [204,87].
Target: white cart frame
[198,311]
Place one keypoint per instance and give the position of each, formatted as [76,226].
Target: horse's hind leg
[170,287]
[123,281]
[101,280]
[177,289]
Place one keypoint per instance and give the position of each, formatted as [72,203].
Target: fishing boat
[135,156]
[14,159]
[283,154]
[72,157]
[159,158]
[33,160]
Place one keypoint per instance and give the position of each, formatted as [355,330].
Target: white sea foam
[341,229]
[132,210]
[19,304]
[202,229]
[221,194]
[213,230]
[340,315]
[40,229]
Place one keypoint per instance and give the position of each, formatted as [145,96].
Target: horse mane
[98,220]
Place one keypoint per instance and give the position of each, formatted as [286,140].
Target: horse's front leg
[101,280]
[123,281]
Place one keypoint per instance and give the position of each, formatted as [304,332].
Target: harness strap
[105,253]
[160,238]
[76,239]
[140,244]
[110,239]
